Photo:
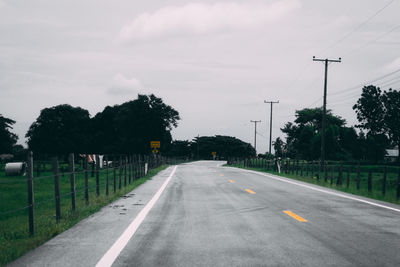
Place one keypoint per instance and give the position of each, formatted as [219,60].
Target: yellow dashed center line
[293,215]
[250,191]
[232,181]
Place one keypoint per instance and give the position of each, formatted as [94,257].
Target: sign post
[154,145]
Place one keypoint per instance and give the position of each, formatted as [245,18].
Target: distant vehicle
[15,169]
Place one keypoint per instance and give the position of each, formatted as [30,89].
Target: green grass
[377,180]
[14,229]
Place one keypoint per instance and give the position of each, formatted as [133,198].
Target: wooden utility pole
[255,135]
[326,61]
[270,123]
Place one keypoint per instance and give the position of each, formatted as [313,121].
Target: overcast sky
[213,61]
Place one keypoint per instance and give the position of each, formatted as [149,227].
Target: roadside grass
[14,229]
[377,180]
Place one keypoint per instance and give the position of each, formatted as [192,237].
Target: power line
[344,37]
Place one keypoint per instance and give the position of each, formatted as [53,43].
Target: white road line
[110,256]
[321,190]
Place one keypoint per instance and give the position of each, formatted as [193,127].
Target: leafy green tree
[304,134]
[7,138]
[370,110]
[180,148]
[225,146]
[278,147]
[391,102]
[129,127]
[60,129]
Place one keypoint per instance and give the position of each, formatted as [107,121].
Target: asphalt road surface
[203,214]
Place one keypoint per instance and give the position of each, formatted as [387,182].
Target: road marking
[232,181]
[322,190]
[110,256]
[250,191]
[293,215]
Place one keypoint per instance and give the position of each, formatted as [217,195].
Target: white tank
[15,169]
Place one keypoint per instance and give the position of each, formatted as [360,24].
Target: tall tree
[129,127]
[370,110]
[7,138]
[391,102]
[278,147]
[224,146]
[303,136]
[60,129]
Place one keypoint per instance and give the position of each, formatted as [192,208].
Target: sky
[215,62]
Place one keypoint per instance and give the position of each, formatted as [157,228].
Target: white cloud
[201,18]
[124,86]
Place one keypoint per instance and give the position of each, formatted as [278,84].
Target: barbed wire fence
[67,184]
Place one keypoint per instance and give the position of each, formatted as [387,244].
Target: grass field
[376,178]
[14,229]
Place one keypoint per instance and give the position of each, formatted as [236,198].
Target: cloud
[124,86]
[202,18]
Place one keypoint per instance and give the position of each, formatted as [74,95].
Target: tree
[303,136]
[278,147]
[180,148]
[60,129]
[391,103]
[7,138]
[370,110]
[225,146]
[129,127]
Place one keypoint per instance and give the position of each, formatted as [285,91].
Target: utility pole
[326,61]
[270,123]
[255,135]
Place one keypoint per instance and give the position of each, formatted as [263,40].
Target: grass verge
[376,193]
[14,233]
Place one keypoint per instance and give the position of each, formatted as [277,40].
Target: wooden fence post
[384,181]
[348,177]
[302,167]
[93,166]
[370,181]
[358,176]
[31,198]
[87,179]
[97,175]
[72,180]
[326,172]
[115,173]
[57,189]
[398,185]
[130,168]
[312,170]
[107,181]
[120,173]
[340,176]
[125,167]
[332,173]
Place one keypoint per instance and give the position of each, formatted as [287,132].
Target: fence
[377,181]
[66,184]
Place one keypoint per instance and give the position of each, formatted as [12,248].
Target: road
[209,215]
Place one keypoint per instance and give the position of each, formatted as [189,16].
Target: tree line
[119,129]
[378,114]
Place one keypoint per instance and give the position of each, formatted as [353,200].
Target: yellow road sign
[155,150]
[155,144]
